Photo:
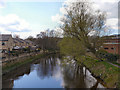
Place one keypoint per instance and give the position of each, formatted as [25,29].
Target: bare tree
[47,40]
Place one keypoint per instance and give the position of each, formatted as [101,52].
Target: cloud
[62,10]
[2,3]
[57,18]
[25,35]
[13,23]
[113,23]
[34,0]
[110,7]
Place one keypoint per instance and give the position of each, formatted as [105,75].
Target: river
[51,72]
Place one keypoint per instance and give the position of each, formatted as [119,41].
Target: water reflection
[8,79]
[51,72]
[73,76]
[46,67]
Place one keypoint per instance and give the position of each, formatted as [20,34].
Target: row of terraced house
[8,43]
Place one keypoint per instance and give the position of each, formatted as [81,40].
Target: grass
[12,65]
[107,72]
[116,63]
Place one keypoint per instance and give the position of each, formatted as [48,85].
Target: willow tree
[71,46]
[84,23]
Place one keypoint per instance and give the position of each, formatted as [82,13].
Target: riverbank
[103,70]
[15,64]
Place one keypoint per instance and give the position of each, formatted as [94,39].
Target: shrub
[107,56]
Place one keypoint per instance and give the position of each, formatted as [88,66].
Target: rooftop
[5,37]
[18,39]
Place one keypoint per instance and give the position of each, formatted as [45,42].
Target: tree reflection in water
[46,67]
[8,79]
[71,73]
[77,76]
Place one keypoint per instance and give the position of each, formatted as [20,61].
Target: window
[113,42]
[3,43]
[112,48]
[105,48]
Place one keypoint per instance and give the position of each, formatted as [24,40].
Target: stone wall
[18,58]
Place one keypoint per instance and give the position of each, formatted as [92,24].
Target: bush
[26,49]
[107,56]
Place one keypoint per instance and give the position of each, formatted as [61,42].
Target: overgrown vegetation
[83,32]
[104,55]
[12,65]
[85,24]
[71,46]
[107,72]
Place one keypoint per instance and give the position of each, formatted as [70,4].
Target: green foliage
[107,72]
[80,23]
[12,65]
[114,62]
[27,49]
[71,46]
[108,56]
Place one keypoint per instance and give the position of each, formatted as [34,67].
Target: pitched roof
[5,37]
[28,41]
[18,39]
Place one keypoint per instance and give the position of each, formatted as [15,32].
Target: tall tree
[71,46]
[84,24]
[48,40]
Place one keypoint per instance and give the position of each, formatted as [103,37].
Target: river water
[51,72]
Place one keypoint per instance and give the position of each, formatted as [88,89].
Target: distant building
[6,43]
[112,44]
[18,42]
[29,43]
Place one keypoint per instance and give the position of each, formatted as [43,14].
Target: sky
[30,17]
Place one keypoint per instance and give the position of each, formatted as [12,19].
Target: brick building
[112,44]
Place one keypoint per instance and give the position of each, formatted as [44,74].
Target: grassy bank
[107,72]
[12,65]
[116,63]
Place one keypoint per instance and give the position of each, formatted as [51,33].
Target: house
[17,42]
[112,44]
[29,43]
[6,43]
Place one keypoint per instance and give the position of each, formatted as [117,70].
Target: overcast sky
[29,17]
